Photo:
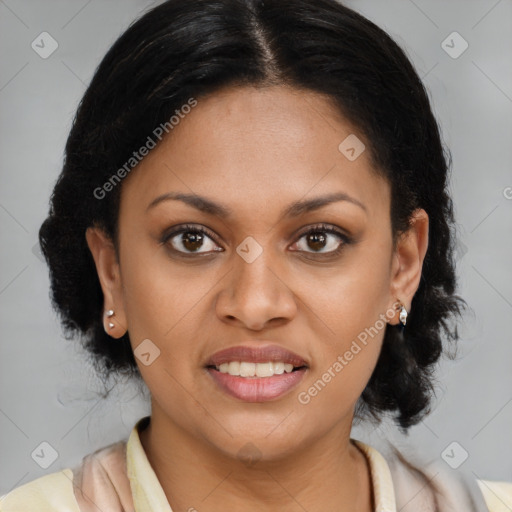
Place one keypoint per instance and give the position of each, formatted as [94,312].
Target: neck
[329,474]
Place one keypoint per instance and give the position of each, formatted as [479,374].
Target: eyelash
[319,228]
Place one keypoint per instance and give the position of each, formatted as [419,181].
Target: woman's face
[269,159]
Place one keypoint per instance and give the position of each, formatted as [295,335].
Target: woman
[253,220]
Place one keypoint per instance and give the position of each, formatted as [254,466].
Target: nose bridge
[253,262]
[256,294]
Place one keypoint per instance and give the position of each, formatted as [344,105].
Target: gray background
[47,391]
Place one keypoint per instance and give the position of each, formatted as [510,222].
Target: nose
[256,294]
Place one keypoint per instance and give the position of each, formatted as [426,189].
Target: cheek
[354,307]
[159,309]
[149,303]
[336,383]
[352,299]
[162,303]
[157,294]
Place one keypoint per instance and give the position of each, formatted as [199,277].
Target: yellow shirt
[119,478]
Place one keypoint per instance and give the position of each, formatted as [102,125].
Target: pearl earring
[403,315]
[110,314]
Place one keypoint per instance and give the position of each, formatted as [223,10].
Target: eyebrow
[294,210]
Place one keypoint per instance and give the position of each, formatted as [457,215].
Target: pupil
[190,238]
[317,240]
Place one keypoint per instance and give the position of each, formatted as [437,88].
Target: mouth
[256,373]
[254,388]
[249,370]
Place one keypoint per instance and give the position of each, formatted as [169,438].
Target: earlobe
[107,267]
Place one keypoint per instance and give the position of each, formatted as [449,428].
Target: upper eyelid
[171,233]
[322,227]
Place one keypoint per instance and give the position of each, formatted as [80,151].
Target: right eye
[190,239]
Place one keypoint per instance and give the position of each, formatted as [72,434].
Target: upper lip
[256,354]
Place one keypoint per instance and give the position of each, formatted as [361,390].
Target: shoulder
[48,493]
[498,495]
[101,476]
[421,484]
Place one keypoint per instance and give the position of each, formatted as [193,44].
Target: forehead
[250,148]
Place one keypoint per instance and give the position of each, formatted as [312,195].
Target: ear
[107,267]
[408,260]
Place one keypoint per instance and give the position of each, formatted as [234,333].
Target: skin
[257,151]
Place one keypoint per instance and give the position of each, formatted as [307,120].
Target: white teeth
[278,368]
[246,369]
[264,370]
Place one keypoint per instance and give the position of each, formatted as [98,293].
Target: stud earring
[110,314]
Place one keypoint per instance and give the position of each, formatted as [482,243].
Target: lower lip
[257,389]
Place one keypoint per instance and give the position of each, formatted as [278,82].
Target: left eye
[322,240]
